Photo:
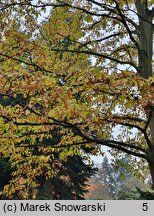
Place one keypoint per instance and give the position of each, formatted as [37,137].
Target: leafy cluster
[80,70]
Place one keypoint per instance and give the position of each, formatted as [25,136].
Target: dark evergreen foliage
[70,181]
[5,171]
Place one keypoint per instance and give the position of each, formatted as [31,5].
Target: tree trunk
[151,167]
[145,52]
[145,36]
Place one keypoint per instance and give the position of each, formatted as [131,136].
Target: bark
[145,52]
[151,125]
[151,167]
[145,35]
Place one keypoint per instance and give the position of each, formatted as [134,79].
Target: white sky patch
[44,14]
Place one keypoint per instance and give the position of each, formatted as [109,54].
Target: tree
[137,195]
[98,191]
[118,180]
[86,101]
[107,176]
[5,172]
[71,175]
[44,166]
[69,181]
[104,182]
[66,184]
[128,178]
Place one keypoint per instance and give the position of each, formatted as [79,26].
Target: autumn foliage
[78,72]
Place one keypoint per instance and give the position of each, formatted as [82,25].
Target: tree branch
[125,147]
[96,54]
[101,39]
[120,148]
[112,9]
[82,9]
[102,141]
[51,146]
[123,19]
[137,127]
[6,5]
[152,12]
[26,63]
[149,119]
[125,117]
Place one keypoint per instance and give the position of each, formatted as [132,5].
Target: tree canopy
[83,70]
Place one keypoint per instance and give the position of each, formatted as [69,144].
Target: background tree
[107,176]
[98,191]
[118,180]
[66,184]
[86,101]
[63,185]
[5,174]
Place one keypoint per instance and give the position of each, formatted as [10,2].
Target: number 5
[145,207]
